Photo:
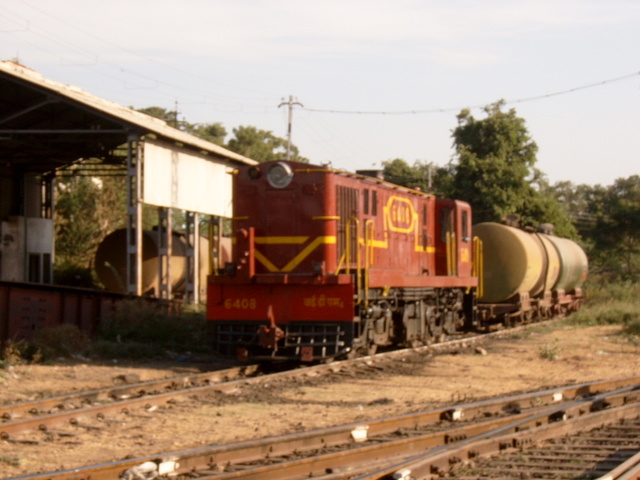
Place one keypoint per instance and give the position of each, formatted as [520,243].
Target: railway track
[421,445]
[72,409]
[96,408]
[598,443]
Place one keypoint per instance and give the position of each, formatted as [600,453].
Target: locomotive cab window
[365,201]
[446,223]
[374,203]
[465,226]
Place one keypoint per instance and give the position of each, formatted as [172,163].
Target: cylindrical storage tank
[111,261]
[552,261]
[513,261]
[574,264]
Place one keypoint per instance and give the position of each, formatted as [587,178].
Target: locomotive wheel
[434,327]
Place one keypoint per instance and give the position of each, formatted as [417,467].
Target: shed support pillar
[165,249]
[134,215]
[192,294]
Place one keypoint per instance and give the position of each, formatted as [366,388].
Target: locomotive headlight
[279,175]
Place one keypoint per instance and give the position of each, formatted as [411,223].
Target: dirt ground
[538,358]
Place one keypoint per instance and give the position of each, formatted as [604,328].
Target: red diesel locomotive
[328,263]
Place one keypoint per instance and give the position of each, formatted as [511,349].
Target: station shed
[46,127]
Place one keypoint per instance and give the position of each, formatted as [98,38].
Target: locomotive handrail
[452,261]
[368,256]
[347,255]
[478,265]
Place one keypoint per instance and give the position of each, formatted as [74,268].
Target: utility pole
[291,103]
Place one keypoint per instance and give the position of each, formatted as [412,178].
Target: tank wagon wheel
[364,350]
[513,319]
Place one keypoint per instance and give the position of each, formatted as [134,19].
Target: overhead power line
[457,109]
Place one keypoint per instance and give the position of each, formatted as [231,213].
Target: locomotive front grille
[322,339]
[326,340]
[228,336]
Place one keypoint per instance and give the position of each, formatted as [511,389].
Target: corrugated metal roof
[34,107]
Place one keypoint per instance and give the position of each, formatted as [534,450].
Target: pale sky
[408,67]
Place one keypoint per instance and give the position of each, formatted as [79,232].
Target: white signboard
[179,178]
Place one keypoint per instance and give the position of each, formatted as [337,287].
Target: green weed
[550,352]
[11,460]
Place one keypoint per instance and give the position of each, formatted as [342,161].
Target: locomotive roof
[364,178]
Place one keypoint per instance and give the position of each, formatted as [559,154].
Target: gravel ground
[538,358]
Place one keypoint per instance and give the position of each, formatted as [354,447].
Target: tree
[76,221]
[261,145]
[495,156]
[399,172]
[88,208]
[212,132]
[616,233]
[495,171]
[170,117]
[583,203]
[421,175]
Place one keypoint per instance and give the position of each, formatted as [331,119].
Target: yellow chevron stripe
[328,240]
[265,261]
[307,250]
[280,240]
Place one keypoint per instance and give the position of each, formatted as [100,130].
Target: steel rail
[27,416]
[437,462]
[122,392]
[628,470]
[231,455]
[313,466]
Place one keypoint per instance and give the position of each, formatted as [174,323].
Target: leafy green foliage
[495,171]
[616,233]
[87,209]
[60,341]
[421,175]
[12,353]
[261,145]
[77,230]
[495,157]
[140,325]
[212,132]
[608,220]
[609,303]
[550,351]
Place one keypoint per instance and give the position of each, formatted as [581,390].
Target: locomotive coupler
[268,335]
